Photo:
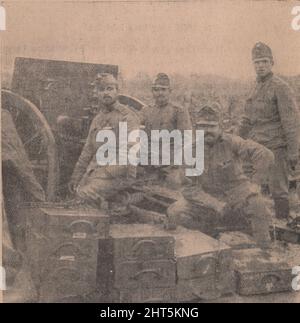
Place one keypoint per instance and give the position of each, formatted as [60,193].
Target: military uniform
[271,119]
[169,117]
[224,185]
[166,117]
[95,180]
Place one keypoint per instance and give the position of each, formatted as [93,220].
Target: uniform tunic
[91,176]
[271,119]
[169,117]
[224,183]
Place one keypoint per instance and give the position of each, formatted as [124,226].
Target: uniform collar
[265,78]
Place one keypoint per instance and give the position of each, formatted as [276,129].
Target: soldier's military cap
[209,114]
[104,79]
[261,50]
[161,81]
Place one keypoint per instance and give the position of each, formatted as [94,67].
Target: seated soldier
[163,115]
[92,183]
[223,185]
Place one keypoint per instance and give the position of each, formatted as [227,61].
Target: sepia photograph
[150,153]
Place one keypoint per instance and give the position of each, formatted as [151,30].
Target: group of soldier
[267,138]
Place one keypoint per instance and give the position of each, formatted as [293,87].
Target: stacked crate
[204,266]
[144,267]
[261,272]
[76,253]
[63,246]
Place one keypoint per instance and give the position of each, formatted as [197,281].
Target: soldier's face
[211,133]
[161,95]
[263,66]
[107,94]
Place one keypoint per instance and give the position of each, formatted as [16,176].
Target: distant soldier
[271,119]
[164,115]
[91,182]
[223,186]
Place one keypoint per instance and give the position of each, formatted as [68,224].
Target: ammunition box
[204,266]
[138,242]
[146,274]
[199,255]
[196,289]
[85,251]
[259,273]
[63,247]
[143,261]
[67,279]
[68,223]
[56,261]
[205,288]
[148,295]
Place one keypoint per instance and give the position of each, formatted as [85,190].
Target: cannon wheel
[23,107]
[133,103]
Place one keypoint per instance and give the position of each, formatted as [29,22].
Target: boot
[282,208]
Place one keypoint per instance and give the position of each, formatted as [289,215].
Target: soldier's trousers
[253,213]
[279,172]
[96,188]
[279,183]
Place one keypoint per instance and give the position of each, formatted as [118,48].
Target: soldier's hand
[72,187]
[293,163]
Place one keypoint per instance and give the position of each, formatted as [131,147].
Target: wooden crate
[204,266]
[139,242]
[63,246]
[144,267]
[145,274]
[148,295]
[69,223]
[198,255]
[206,288]
[67,279]
[259,272]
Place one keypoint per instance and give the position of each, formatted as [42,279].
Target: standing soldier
[223,186]
[164,115]
[271,119]
[91,182]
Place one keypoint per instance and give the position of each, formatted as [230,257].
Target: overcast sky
[207,37]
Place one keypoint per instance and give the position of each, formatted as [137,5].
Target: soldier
[223,186]
[91,182]
[163,114]
[271,119]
